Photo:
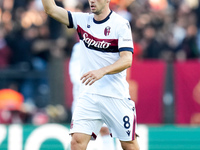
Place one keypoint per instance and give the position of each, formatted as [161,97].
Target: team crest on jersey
[107,31]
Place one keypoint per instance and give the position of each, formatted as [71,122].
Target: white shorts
[93,110]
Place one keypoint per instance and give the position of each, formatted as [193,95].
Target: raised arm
[56,12]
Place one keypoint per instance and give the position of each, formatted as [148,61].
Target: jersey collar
[104,20]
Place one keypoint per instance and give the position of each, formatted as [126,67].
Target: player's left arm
[124,62]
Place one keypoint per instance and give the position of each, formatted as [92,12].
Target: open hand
[90,77]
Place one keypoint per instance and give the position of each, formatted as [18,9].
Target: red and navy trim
[134,126]
[94,136]
[113,42]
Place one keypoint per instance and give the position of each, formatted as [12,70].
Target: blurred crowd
[170,31]
[29,40]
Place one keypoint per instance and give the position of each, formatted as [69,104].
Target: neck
[104,13]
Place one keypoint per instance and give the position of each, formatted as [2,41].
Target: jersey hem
[117,97]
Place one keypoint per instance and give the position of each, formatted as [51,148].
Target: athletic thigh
[80,141]
[130,145]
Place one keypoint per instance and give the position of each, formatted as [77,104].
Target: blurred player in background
[106,52]
[74,72]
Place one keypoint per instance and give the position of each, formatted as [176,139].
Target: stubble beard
[96,12]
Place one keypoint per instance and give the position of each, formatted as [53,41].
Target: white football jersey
[101,42]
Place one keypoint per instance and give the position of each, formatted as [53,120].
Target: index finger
[83,76]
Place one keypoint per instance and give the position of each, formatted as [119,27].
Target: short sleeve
[71,25]
[76,18]
[125,41]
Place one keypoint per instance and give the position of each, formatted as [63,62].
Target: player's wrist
[104,71]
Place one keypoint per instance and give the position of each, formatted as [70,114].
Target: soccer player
[106,53]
